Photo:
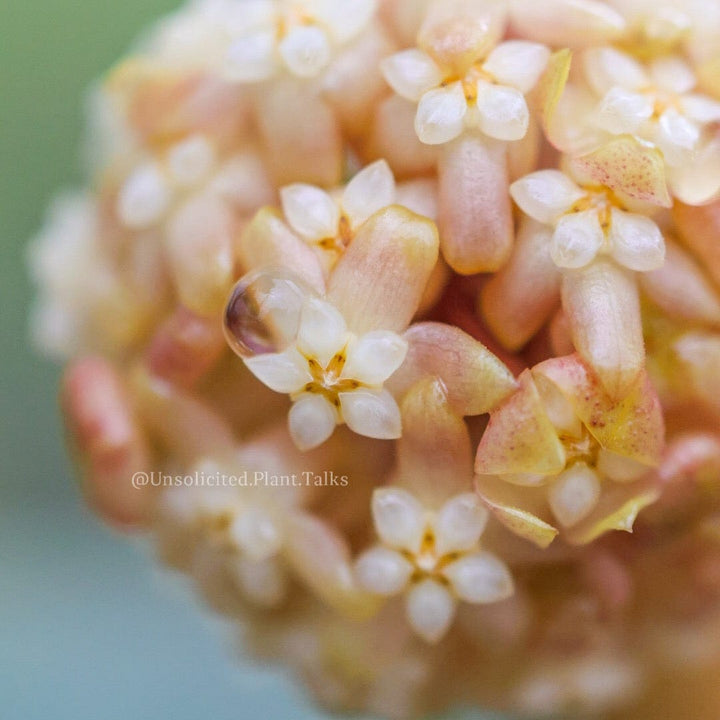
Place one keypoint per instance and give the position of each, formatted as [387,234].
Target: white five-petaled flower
[655,102]
[299,35]
[334,376]
[249,530]
[434,557]
[490,96]
[588,221]
[329,223]
[188,167]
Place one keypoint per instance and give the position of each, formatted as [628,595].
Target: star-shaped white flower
[190,200]
[299,35]
[236,520]
[433,557]
[159,184]
[655,102]
[490,96]
[330,222]
[334,377]
[587,222]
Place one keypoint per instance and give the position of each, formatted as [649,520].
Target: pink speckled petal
[520,437]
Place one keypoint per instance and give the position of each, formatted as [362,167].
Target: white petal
[256,534]
[399,518]
[672,74]
[311,421]
[619,468]
[577,239]
[676,136]
[636,241]
[411,73]
[430,609]
[459,524]
[191,160]
[480,578]
[574,494]
[372,189]
[383,571]
[345,19]
[285,372]
[245,16]
[607,67]
[305,50]
[545,195]
[323,332]
[144,197]
[371,413]
[263,582]
[310,211]
[251,58]
[374,357]
[698,181]
[517,63]
[623,111]
[440,114]
[503,112]
[701,108]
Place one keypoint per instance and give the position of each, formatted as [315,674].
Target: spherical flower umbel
[415,304]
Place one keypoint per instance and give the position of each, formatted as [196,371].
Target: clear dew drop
[263,312]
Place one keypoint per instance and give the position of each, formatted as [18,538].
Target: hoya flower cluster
[410,309]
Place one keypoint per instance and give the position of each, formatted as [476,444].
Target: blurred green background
[89,626]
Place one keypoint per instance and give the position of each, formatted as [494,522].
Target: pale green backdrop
[90,629]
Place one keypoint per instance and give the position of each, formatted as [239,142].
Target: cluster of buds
[406,313]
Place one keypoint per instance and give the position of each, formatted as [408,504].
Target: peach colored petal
[109,444]
[198,246]
[268,242]
[698,356]
[602,305]
[435,287]
[321,557]
[681,289]
[178,420]
[508,504]
[688,455]
[699,228]
[300,134]
[517,301]
[475,220]
[379,281]
[475,380]
[547,92]
[627,165]
[631,426]
[457,32]
[185,347]
[618,509]
[358,67]
[434,457]
[393,137]
[520,437]
[577,23]
[163,103]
